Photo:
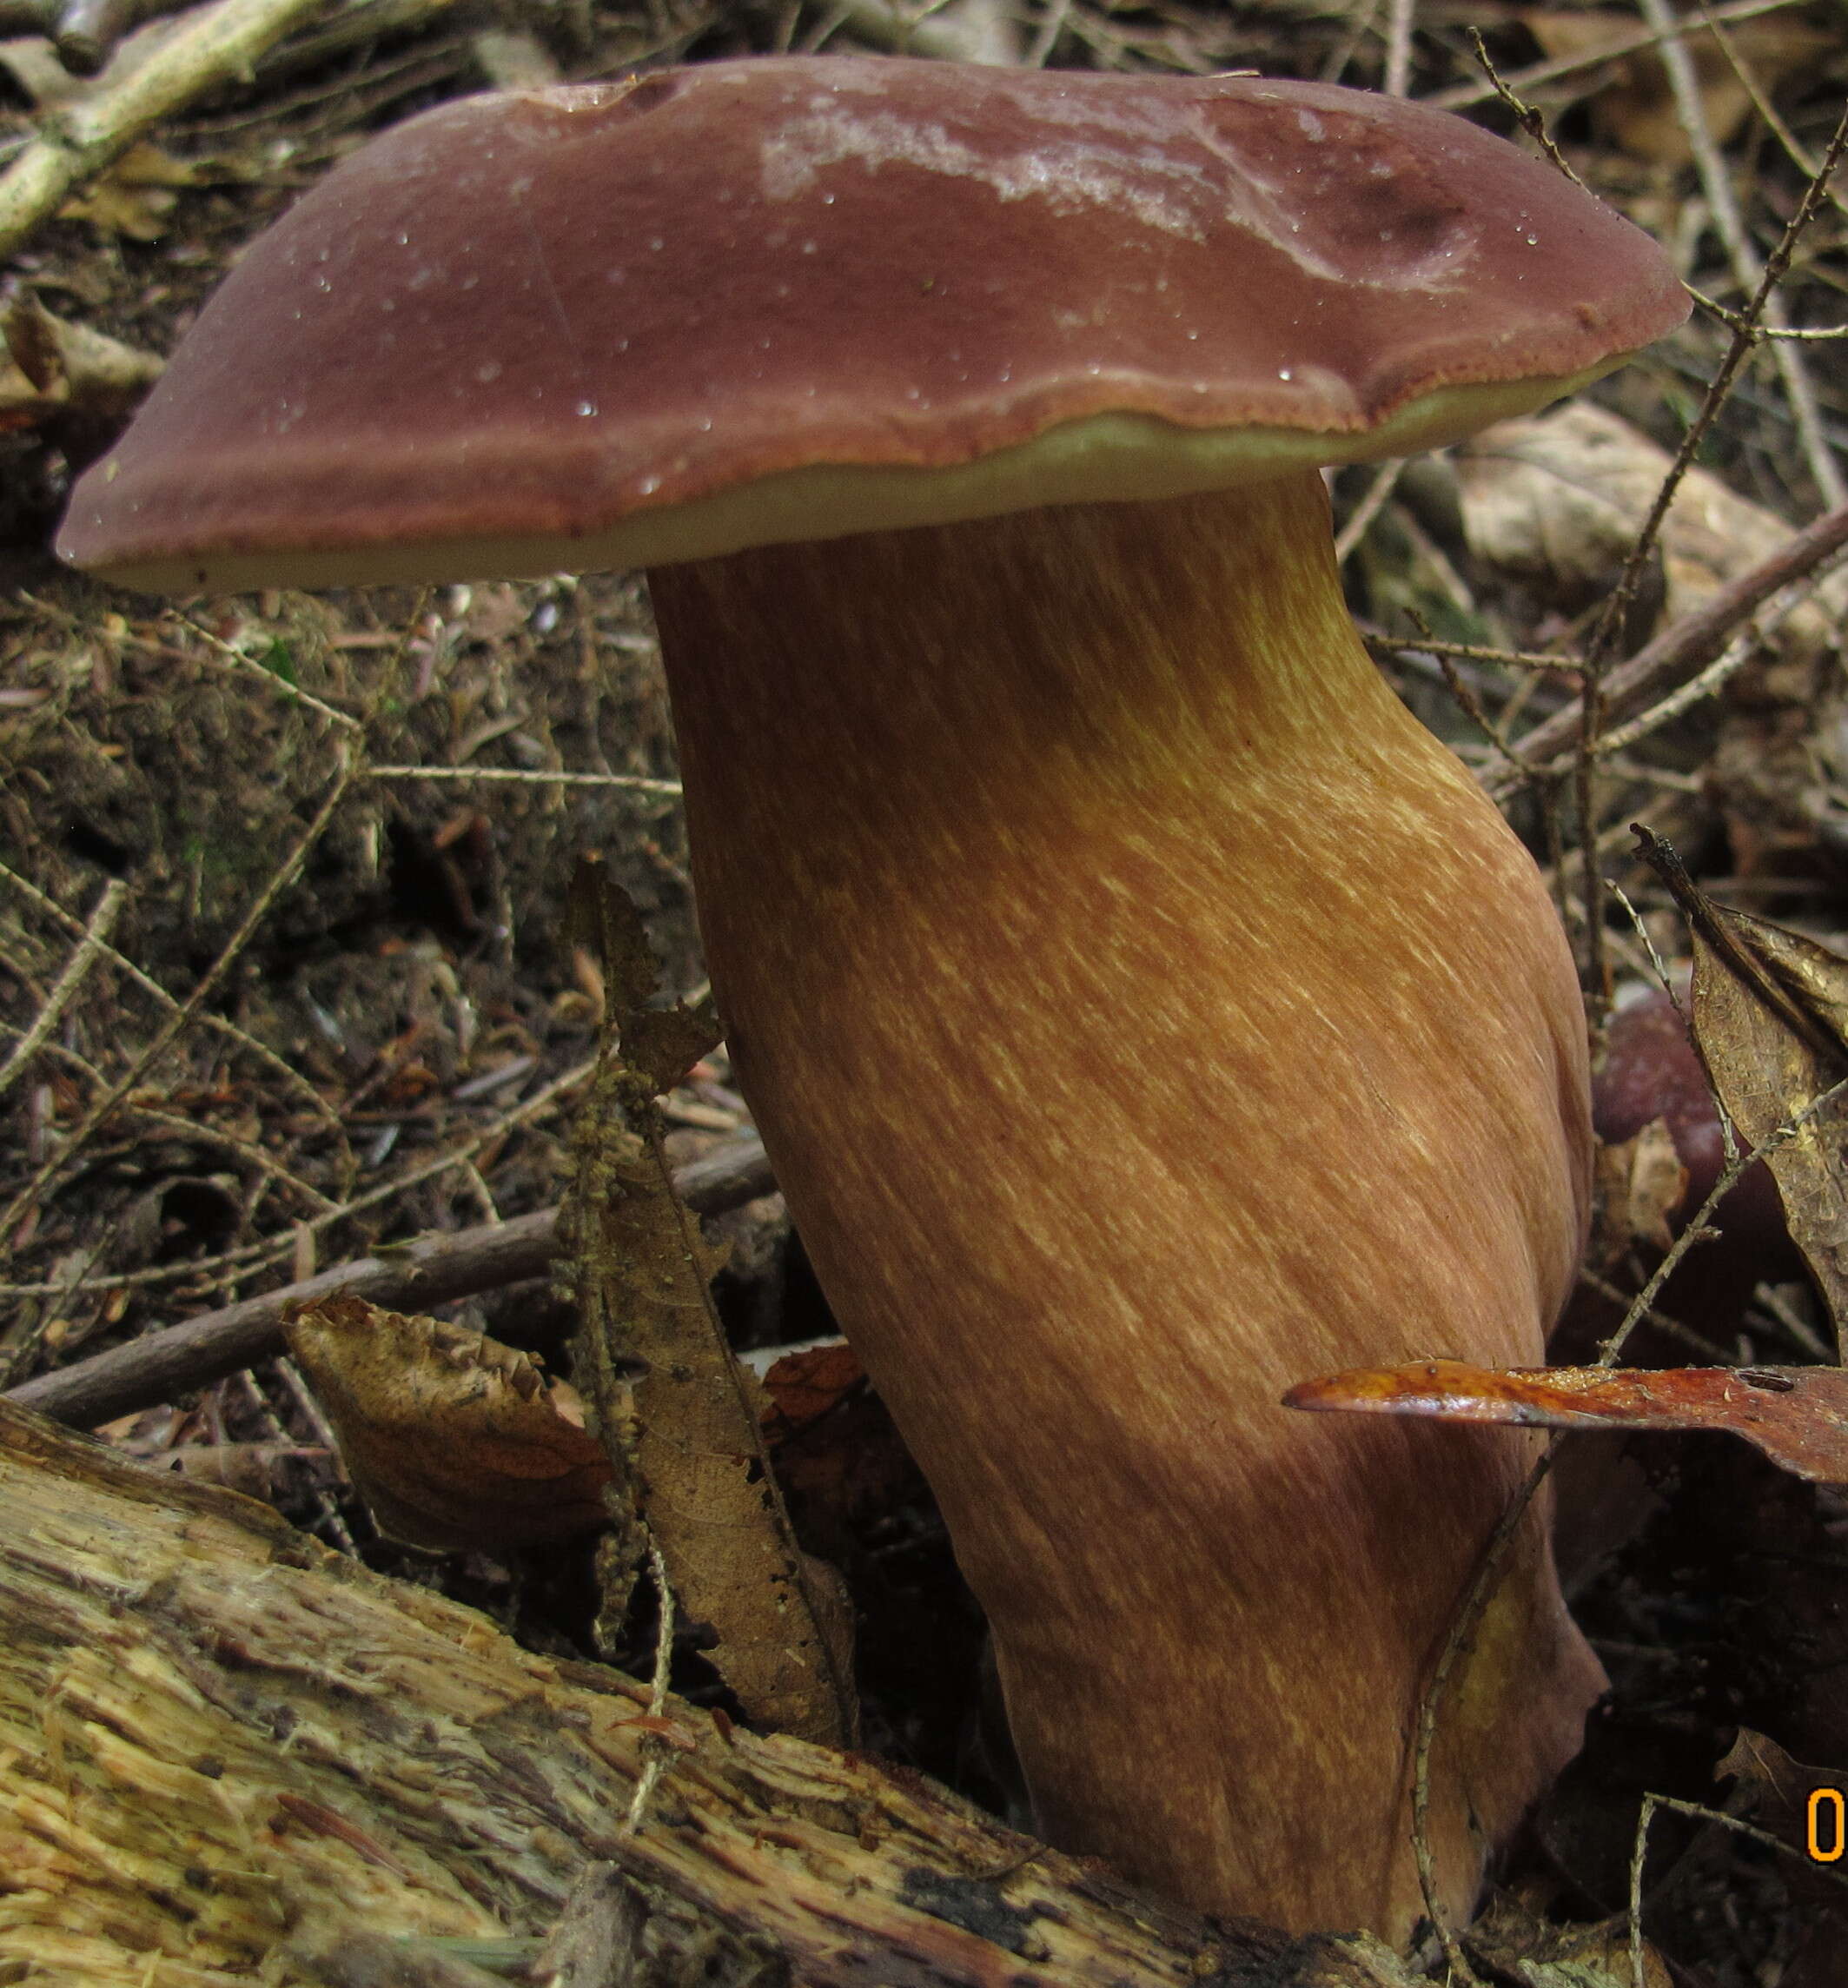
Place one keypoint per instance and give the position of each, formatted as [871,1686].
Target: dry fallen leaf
[1805,1809]
[695,1459]
[1796,1415]
[803,1385]
[137,196]
[453,1439]
[1642,1187]
[1771,1022]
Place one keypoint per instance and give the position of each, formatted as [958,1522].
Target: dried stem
[1617,605]
[120,963]
[76,971]
[169,1031]
[1716,182]
[1464,95]
[1682,650]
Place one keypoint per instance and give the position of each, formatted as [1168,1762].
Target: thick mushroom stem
[1144,1011]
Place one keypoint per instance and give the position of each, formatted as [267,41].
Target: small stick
[1681,651]
[1492,1562]
[27,16]
[175,1025]
[1385,480]
[118,963]
[1399,18]
[88,30]
[655,1764]
[429,1271]
[1465,95]
[1743,341]
[95,936]
[539,777]
[1729,223]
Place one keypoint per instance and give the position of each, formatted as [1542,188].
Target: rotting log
[229,1754]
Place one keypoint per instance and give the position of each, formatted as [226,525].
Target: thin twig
[655,1764]
[1688,647]
[539,777]
[1617,604]
[249,666]
[1528,116]
[1492,1561]
[1798,154]
[1701,1229]
[1471,653]
[1716,182]
[175,1023]
[1591,699]
[1400,15]
[120,963]
[1465,95]
[1813,334]
[1700,1813]
[1584,804]
[1473,707]
[77,969]
[418,1275]
[1483,1584]
[1658,966]
[1385,479]
[246,1151]
[1615,1293]
[75,144]
[1045,36]
[1710,680]
[251,1257]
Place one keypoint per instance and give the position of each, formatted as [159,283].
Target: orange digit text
[1827,1825]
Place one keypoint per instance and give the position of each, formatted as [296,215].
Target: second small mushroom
[1141,1009]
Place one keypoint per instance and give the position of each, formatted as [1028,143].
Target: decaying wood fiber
[229,1755]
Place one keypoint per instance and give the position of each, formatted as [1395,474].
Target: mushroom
[1141,1009]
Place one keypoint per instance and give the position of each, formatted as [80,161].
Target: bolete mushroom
[1141,1009]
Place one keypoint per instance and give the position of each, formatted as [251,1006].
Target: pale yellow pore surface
[1113,455]
[1142,1013]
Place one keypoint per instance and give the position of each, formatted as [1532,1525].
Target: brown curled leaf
[1796,1415]
[453,1439]
[1642,1189]
[804,1384]
[1770,1023]
[689,1442]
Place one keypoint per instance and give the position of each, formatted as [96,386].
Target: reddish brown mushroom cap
[754,302]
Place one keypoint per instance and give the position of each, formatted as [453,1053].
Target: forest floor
[283,977]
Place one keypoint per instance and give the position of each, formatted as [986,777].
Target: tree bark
[229,1754]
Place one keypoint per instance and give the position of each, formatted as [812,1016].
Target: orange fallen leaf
[1796,1415]
[806,1383]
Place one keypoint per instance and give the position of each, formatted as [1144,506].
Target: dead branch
[95,936]
[429,1271]
[233,1752]
[1678,652]
[73,145]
